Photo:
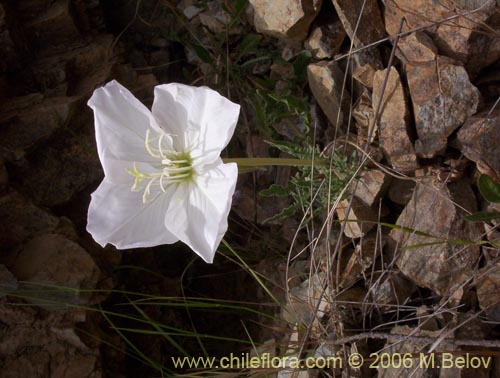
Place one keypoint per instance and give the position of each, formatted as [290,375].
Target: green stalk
[260,162]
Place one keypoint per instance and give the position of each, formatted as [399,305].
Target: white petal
[198,210]
[121,122]
[200,119]
[118,216]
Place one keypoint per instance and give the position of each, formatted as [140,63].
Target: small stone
[488,290]
[417,47]
[393,121]
[363,115]
[325,41]
[288,19]
[365,63]
[159,42]
[390,291]
[325,80]
[443,98]
[355,227]
[372,185]
[361,259]
[191,12]
[61,265]
[479,140]
[368,29]
[432,210]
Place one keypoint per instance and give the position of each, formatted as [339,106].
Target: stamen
[148,148]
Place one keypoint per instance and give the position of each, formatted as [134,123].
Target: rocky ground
[406,272]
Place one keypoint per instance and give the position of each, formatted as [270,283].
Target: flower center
[173,167]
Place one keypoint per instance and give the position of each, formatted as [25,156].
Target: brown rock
[479,140]
[361,259]
[61,264]
[393,121]
[360,218]
[363,115]
[21,220]
[416,47]
[369,28]
[443,98]
[488,290]
[27,120]
[390,291]
[364,65]
[285,18]
[464,38]
[432,210]
[372,185]
[401,191]
[325,40]
[325,80]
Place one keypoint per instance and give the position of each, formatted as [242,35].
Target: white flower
[164,178]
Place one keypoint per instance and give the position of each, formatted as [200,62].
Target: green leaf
[489,189]
[287,212]
[203,54]
[249,45]
[275,190]
[483,216]
[300,65]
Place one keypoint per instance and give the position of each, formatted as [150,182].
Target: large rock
[368,29]
[325,80]
[21,221]
[57,267]
[372,185]
[325,40]
[285,18]
[479,140]
[462,38]
[416,47]
[364,65]
[443,98]
[439,263]
[28,120]
[393,121]
[488,290]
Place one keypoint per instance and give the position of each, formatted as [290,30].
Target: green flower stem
[262,162]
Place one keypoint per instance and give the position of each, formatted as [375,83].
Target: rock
[26,121]
[325,40]
[364,65]
[21,220]
[58,267]
[416,47]
[360,218]
[288,19]
[488,290]
[457,38]
[478,140]
[37,347]
[325,80]
[303,299]
[7,281]
[370,27]
[401,191]
[363,115]
[372,185]
[432,210]
[217,19]
[361,259]
[390,291]
[443,98]
[393,121]
[62,171]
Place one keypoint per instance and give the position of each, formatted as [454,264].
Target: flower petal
[118,216]
[198,210]
[200,119]
[121,122]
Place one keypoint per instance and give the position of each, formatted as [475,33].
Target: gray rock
[443,98]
